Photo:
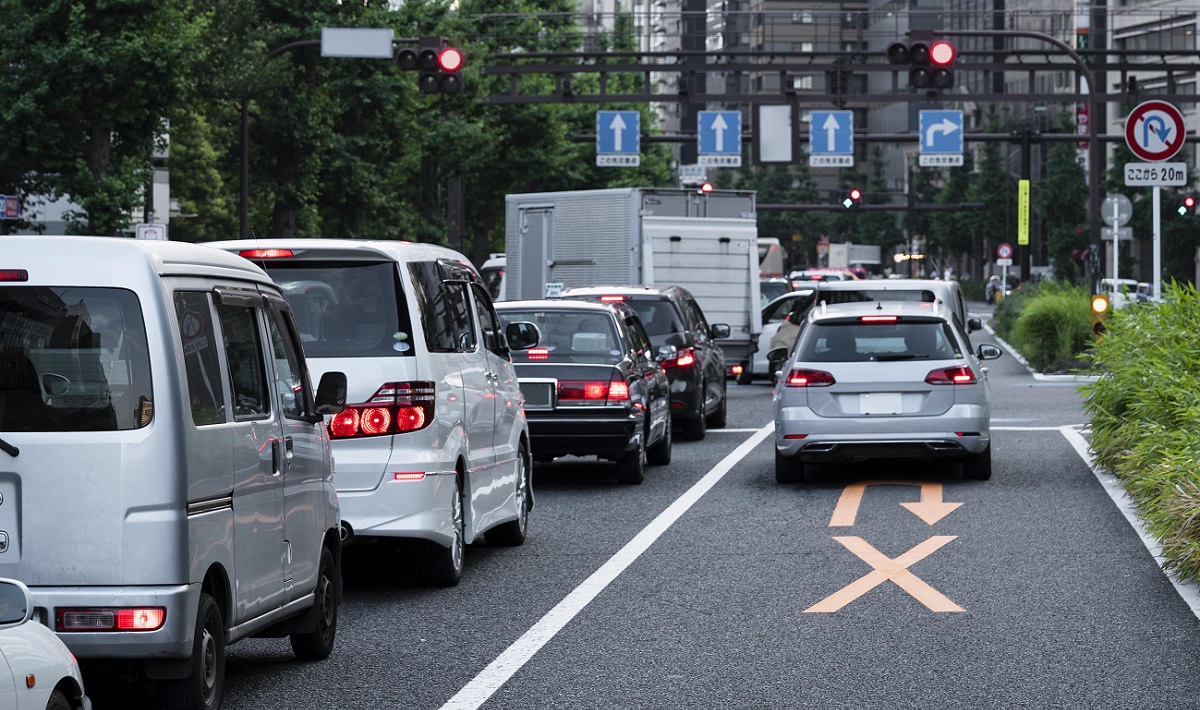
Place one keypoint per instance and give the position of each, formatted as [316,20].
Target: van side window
[247,377]
[445,309]
[205,388]
[489,322]
[288,368]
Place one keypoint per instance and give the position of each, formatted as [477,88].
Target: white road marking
[490,679]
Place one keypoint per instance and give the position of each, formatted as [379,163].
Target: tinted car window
[658,316]
[203,368]
[855,342]
[489,323]
[243,349]
[569,336]
[445,309]
[914,295]
[345,309]
[72,359]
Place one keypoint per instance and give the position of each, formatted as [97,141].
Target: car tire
[660,453]
[512,533]
[444,565]
[205,685]
[788,469]
[717,419]
[695,429]
[979,466]
[316,645]
[631,468]
[58,701]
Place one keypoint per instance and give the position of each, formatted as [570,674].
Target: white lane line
[732,431]
[1188,591]
[484,685]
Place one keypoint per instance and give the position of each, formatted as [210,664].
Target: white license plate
[538,395]
[881,403]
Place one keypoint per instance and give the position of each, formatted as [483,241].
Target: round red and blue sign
[1154,130]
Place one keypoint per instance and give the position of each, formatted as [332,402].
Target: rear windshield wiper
[897,356]
[9,448]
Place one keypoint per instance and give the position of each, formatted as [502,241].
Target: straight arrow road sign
[831,139]
[618,138]
[719,138]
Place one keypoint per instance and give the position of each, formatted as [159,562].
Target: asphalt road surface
[885,585]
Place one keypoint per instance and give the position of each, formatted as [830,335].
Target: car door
[505,393]
[658,388]
[711,357]
[302,451]
[258,461]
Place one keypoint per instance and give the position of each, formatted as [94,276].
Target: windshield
[73,359]
[862,342]
[493,279]
[568,336]
[346,309]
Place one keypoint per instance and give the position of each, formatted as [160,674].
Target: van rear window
[346,309]
[73,359]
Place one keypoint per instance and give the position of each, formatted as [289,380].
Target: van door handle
[275,469]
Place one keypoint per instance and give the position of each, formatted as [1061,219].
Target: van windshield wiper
[9,448]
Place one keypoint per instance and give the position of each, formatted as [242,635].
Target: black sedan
[594,386]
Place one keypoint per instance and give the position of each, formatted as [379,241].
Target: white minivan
[433,446]
[165,473]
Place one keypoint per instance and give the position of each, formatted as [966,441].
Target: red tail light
[960,375]
[683,358]
[799,377]
[611,299]
[397,408]
[879,319]
[538,353]
[110,619]
[593,392]
[266,253]
[14,275]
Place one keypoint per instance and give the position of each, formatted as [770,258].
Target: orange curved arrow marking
[930,508]
[883,569]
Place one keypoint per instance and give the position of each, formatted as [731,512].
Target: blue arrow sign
[941,138]
[831,139]
[719,138]
[618,138]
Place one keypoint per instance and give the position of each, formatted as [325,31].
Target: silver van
[165,473]
[433,449]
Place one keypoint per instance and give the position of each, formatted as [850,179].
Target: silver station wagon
[882,380]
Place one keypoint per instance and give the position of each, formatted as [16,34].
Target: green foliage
[1053,327]
[786,184]
[1008,310]
[1062,200]
[1145,418]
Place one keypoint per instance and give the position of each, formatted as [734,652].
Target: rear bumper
[607,437]
[962,431]
[173,641]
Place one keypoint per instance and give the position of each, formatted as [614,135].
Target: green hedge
[1050,324]
[1145,418]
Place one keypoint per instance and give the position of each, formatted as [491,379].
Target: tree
[90,91]
[1062,200]
[878,226]
[798,231]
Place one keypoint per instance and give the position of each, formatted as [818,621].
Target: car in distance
[883,380]
[33,654]
[696,370]
[771,288]
[432,448]
[948,293]
[593,385]
[773,315]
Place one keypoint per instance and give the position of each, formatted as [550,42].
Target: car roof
[834,311]
[555,304]
[401,251]
[621,290]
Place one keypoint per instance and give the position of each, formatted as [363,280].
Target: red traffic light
[450,59]
[706,187]
[856,195]
[1189,202]
[942,53]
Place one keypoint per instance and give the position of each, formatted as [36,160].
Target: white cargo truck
[706,242]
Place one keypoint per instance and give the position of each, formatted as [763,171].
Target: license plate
[881,403]
[538,395]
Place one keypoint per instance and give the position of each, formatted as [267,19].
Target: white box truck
[706,242]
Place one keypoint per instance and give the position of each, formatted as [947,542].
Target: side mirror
[331,393]
[666,352]
[987,351]
[719,330]
[16,603]
[778,354]
[974,324]
[522,335]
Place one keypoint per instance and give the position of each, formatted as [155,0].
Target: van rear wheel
[203,689]
[444,565]
[317,644]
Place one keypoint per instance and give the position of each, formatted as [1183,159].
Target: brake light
[593,392]
[396,408]
[538,353]
[14,275]
[958,375]
[683,358]
[878,319]
[114,619]
[266,253]
[800,377]
[612,299]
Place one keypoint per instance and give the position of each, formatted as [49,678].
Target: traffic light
[439,63]
[1100,308]
[853,198]
[931,65]
[1188,205]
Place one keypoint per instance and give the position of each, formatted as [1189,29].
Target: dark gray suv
[696,369]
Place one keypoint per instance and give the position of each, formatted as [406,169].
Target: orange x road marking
[884,569]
